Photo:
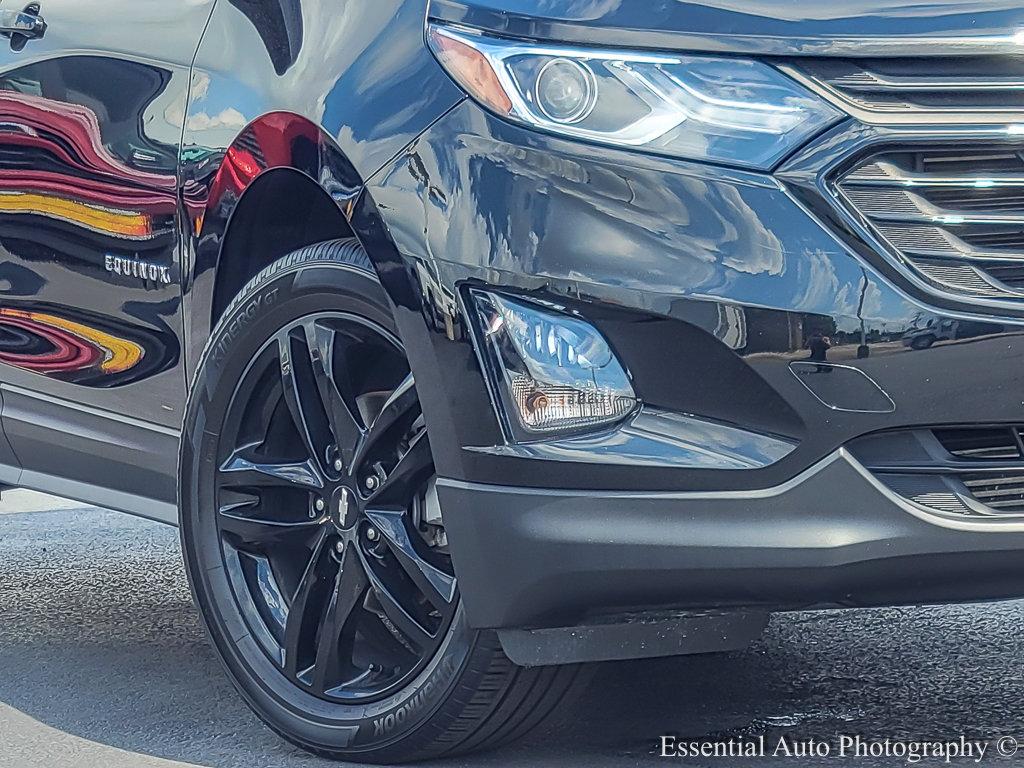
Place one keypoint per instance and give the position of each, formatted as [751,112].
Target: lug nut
[371,534]
[372,482]
[339,547]
[320,505]
[338,466]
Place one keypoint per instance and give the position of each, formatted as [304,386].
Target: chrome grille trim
[1002,491]
[866,80]
[960,278]
[891,90]
[962,233]
[1015,505]
[881,173]
[963,470]
[983,486]
[943,501]
[930,240]
[884,204]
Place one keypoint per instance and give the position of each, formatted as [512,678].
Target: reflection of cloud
[174,114]
[821,285]
[757,249]
[872,302]
[227,118]
[200,86]
[824,293]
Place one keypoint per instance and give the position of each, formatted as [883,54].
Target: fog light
[557,372]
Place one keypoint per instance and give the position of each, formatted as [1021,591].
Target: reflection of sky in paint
[863,11]
[219,115]
[384,52]
[732,249]
[376,47]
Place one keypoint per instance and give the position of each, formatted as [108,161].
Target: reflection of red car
[53,345]
[269,143]
[97,191]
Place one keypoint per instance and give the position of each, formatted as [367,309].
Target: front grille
[952,215]
[955,216]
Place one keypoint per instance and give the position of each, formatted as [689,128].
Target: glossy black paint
[91,115]
[708,283]
[213,137]
[769,27]
[269,97]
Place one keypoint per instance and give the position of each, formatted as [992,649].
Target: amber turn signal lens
[471,70]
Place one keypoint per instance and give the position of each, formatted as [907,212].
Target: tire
[465,694]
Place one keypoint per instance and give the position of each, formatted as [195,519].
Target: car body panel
[92,115]
[709,284]
[791,28]
[90,300]
[278,84]
[746,312]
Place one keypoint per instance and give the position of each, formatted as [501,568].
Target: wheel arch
[282,210]
[281,184]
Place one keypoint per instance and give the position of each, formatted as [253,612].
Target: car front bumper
[831,537]
[708,283]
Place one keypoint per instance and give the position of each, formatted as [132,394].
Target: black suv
[471,340]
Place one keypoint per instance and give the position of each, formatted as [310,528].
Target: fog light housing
[554,372]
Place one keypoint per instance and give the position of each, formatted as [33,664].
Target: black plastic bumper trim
[634,636]
[832,536]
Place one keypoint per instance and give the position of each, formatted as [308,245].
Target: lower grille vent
[969,471]
[1003,491]
[980,443]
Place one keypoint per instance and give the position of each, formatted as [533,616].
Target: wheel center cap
[344,508]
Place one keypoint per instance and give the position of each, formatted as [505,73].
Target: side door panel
[91,117]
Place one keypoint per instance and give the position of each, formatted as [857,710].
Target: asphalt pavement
[104,663]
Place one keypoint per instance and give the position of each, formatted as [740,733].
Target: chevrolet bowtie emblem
[347,509]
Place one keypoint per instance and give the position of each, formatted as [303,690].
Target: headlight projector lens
[565,91]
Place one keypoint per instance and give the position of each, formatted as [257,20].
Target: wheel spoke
[253,528]
[409,474]
[349,586]
[398,413]
[239,471]
[305,606]
[394,613]
[301,397]
[436,585]
[345,425]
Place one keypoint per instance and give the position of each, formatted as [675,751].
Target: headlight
[733,111]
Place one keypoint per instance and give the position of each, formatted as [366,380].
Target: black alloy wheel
[313,533]
[327,513]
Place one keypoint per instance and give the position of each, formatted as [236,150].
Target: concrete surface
[104,664]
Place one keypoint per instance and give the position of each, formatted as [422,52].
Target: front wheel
[313,538]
